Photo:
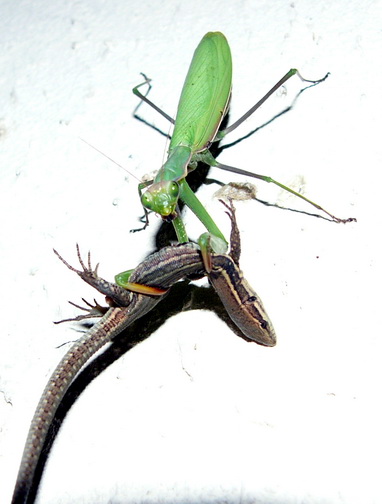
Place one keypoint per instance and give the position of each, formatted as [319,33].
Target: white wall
[195,414]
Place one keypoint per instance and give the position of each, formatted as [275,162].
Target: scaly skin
[162,270]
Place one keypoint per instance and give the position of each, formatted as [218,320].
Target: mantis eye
[174,190]
[147,200]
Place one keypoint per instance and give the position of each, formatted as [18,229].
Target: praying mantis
[203,103]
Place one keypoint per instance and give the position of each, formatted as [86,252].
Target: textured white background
[297,423]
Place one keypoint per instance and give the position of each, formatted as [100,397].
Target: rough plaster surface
[195,414]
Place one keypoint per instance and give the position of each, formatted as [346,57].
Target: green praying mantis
[203,103]
[202,106]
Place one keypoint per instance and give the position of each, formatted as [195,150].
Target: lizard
[157,272]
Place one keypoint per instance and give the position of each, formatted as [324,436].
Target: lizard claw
[93,311]
[88,270]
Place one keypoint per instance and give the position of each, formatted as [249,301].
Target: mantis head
[161,197]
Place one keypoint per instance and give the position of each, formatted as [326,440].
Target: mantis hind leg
[206,157]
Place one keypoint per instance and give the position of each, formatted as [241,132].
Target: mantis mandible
[203,103]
